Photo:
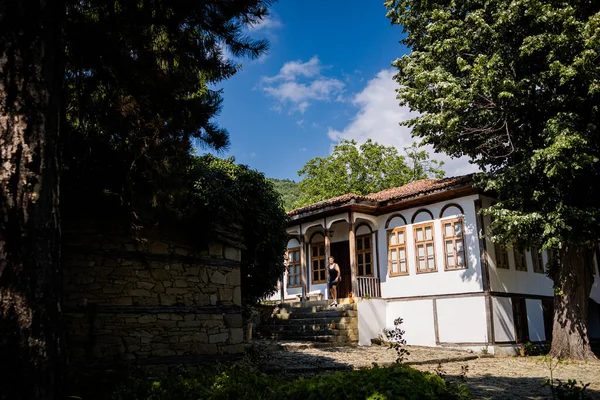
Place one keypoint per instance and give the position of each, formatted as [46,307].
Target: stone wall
[153,302]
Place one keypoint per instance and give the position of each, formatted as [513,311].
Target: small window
[538,261]
[364,255]
[397,262]
[454,244]
[520,261]
[293,277]
[501,256]
[318,263]
[424,247]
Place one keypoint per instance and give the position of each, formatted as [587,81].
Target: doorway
[340,251]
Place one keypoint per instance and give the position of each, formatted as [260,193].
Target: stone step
[314,338]
[313,320]
[291,308]
[302,314]
[312,303]
[311,326]
[307,331]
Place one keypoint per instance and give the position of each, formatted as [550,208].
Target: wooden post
[303,266]
[353,271]
[327,255]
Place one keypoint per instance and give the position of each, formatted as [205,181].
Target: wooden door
[341,252]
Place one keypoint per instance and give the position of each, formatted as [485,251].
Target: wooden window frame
[454,239]
[501,251]
[537,260]
[519,306]
[424,242]
[519,253]
[291,264]
[397,247]
[320,257]
[364,251]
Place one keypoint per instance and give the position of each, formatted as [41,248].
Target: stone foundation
[156,302]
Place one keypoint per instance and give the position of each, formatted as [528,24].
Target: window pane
[296,256]
[315,251]
[393,255]
[401,237]
[402,254]
[322,250]
[428,233]
[315,275]
[459,245]
[430,249]
[359,244]
[450,261]
[298,280]
[360,259]
[367,243]
[448,230]
[322,274]
[431,263]
[403,266]
[420,234]
[420,250]
[460,258]
[394,267]
[393,239]
[368,269]
[422,264]
[449,247]
[458,228]
[368,258]
[315,264]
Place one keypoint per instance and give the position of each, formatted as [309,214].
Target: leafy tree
[362,170]
[130,83]
[515,85]
[230,193]
[289,191]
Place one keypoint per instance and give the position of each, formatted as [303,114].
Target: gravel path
[488,377]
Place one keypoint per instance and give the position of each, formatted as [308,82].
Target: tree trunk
[572,285]
[31,76]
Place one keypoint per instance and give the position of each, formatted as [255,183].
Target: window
[538,261]
[520,318]
[424,248]
[548,315]
[397,264]
[520,261]
[454,245]
[318,263]
[364,255]
[501,256]
[293,278]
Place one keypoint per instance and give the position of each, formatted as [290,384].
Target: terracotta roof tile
[422,187]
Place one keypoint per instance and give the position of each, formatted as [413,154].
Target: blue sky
[327,77]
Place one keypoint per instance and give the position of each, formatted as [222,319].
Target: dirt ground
[488,377]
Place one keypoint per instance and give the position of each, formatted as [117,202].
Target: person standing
[334,277]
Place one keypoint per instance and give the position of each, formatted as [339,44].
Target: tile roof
[417,188]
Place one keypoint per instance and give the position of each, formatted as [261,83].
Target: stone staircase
[312,321]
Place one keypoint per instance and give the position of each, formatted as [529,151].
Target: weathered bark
[31,75]
[572,284]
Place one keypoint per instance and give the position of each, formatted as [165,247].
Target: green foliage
[289,191]
[246,383]
[560,390]
[396,340]
[369,168]
[535,349]
[139,93]
[515,85]
[227,193]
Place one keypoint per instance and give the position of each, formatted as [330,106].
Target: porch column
[353,271]
[303,266]
[327,255]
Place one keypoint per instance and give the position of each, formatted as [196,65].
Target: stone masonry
[154,302]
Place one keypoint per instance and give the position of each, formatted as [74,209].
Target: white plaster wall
[462,320]
[504,324]
[440,282]
[418,320]
[371,319]
[535,320]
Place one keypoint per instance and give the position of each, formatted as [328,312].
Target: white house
[418,252]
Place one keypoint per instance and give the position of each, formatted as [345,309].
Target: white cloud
[300,122]
[270,22]
[252,155]
[378,117]
[299,83]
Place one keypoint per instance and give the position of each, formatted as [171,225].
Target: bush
[244,382]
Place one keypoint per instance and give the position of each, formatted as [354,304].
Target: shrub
[244,382]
